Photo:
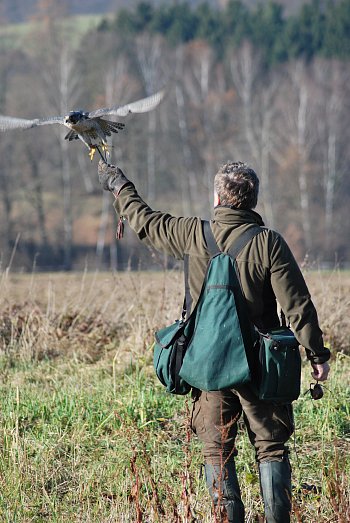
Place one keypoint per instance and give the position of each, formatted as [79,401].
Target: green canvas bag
[280,366]
[168,355]
[217,347]
[220,351]
[274,362]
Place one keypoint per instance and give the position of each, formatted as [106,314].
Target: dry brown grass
[135,302]
[85,314]
[330,291]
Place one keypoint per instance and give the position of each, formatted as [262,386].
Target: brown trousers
[215,416]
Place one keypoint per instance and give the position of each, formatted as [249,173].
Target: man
[268,272]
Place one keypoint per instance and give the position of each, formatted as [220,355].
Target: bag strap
[181,347]
[237,245]
[243,239]
[209,239]
[187,304]
[213,248]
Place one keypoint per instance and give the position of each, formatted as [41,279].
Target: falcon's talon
[105,148]
[103,157]
[106,152]
[92,152]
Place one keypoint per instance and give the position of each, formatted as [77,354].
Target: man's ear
[216,199]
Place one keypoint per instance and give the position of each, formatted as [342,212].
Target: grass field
[15,35]
[88,434]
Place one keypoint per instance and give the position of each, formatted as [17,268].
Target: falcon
[89,127]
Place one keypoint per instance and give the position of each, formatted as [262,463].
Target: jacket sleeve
[164,232]
[293,295]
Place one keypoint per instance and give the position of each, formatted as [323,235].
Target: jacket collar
[232,216]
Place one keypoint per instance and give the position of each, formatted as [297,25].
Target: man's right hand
[111,177]
[320,371]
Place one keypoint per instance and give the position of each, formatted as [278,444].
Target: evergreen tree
[137,21]
[267,26]
[305,31]
[315,29]
[210,26]
[337,30]
[184,24]
[236,22]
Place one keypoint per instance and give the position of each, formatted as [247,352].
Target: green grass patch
[80,442]
[88,434]
[13,36]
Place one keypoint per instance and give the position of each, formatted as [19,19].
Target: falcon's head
[75,116]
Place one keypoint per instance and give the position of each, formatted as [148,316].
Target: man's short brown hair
[237,185]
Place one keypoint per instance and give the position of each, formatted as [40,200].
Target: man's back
[267,268]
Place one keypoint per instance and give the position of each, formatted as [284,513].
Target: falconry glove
[111,177]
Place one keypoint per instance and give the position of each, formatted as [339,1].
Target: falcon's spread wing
[140,106]
[8,122]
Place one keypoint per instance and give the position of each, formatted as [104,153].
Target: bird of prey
[90,127]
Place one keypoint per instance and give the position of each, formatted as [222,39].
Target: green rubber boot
[224,490]
[276,490]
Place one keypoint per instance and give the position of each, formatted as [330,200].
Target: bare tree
[6,64]
[151,57]
[7,203]
[34,193]
[256,91]
[205,89]
[300,115]
[115,88]
[333,77]
[199,67]
[61,90]
[189,183]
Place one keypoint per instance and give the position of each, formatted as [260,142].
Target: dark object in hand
[316,391]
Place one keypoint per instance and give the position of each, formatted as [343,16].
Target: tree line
[319,28]
[290,121]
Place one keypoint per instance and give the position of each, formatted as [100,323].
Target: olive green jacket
[267,267]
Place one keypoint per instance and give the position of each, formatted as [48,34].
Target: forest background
[263,82]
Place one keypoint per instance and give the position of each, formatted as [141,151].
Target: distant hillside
[17,11]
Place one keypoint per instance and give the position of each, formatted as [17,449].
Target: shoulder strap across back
[237,245]
[213,248]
